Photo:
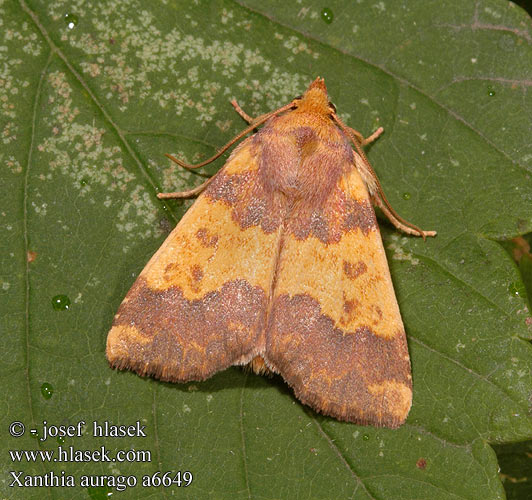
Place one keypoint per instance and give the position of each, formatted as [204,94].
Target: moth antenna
[400,223]
[186,194]
[239,136]
[377,193]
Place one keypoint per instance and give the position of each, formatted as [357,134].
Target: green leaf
[93,94]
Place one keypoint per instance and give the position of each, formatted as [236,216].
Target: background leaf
[515,461]
[93,93]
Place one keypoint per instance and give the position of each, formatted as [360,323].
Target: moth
[279,264]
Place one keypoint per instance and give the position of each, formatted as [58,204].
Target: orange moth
[279,264]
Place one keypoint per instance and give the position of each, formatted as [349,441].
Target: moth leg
[245,116]
[241,112]
[186,194]
[396,219]
[368,140]
[372,182]
[373,137]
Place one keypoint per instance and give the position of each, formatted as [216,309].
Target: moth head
[315,99]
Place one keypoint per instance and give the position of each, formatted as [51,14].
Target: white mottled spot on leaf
[88,155]
[398,251]
[492,12]
[380,6]
[143,51]
[227,16]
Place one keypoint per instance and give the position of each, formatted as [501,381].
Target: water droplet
[407,196]
[71,21]
[99,492]
[516,289]
[365,437]
[84,181]
[61,439]
[327,15]
[61,303]
[47,390]
[491,92]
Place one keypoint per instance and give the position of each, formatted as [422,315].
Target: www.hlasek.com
[70,454]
